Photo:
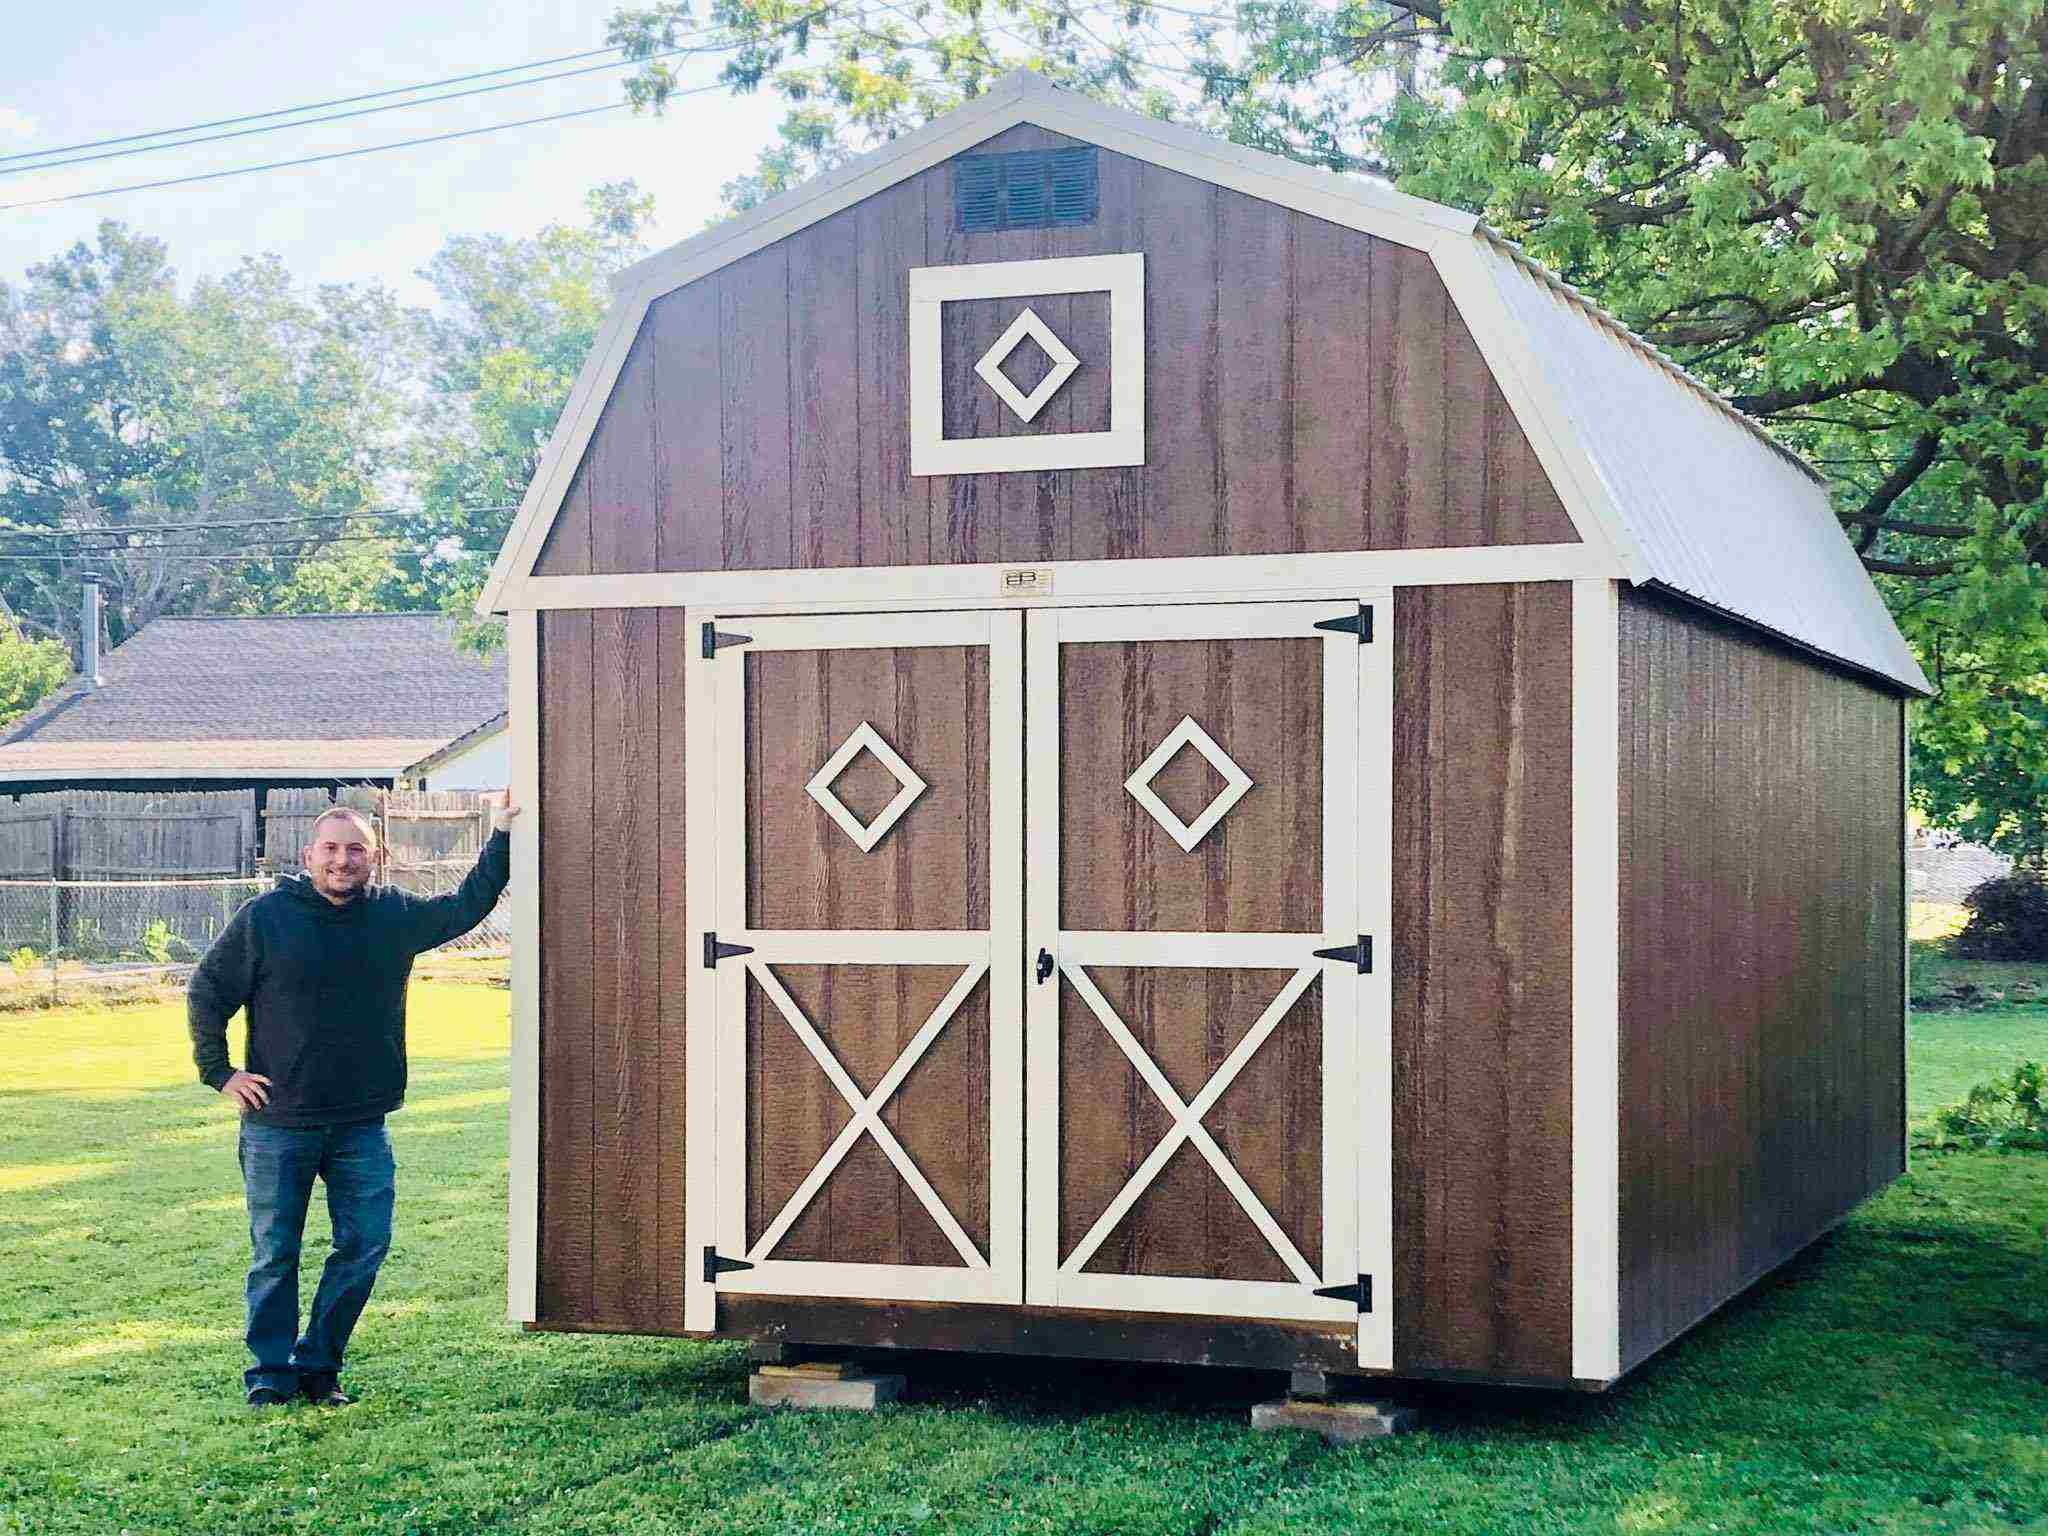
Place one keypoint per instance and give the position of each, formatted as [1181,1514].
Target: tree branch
[1895,485]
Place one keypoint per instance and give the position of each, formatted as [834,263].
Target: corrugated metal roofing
[1706,503]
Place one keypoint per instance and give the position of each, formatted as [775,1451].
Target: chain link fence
[123,923]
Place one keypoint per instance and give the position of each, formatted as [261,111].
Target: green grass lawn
[1894,1379]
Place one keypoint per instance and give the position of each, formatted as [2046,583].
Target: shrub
[24,960]
[2008,919]
[162,943]
[2006,1114]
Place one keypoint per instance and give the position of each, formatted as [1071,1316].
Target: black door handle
[1044,964]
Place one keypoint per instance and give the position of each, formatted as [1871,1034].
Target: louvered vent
[1030,189]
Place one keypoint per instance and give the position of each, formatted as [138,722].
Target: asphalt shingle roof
[347,690]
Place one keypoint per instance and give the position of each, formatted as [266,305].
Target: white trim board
[1596,981]
[1074,583]
[522,1216]
[931,288]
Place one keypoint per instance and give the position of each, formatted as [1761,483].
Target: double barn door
[1038,965]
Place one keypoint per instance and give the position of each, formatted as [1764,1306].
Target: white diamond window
[1235,782]
[867,738]
[991,365]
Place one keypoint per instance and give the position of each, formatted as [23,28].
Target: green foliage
[162,943]
[2008,919]
[1832,212]
[24,960]
[30,670]
[125,403]
[2006,1114]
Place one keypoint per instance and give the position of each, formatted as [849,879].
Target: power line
[346,154]
[315,106]
[335,117]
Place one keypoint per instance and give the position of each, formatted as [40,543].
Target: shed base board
[1145,1337]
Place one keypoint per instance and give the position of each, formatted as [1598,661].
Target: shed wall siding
[1308,388]
[1482,857]
[1482,958]
[1762,1036]
[613,954]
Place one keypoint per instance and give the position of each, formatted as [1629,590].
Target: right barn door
[1207,832]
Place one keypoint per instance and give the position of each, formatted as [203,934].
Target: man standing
[321,962]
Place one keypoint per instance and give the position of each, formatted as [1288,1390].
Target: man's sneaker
[324,1391]
[268,1397]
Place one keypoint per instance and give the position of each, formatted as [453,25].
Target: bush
[2008,920]
[2006,1114]
[24,960]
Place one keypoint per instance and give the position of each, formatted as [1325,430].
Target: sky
[116,67]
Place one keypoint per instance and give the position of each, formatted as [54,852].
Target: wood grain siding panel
[754,323]
[567,924]
[612,937]
[894,506]
[625,926]
[672,962]
[1482,1024]
[1308,388]
[686,479]
[1761,1030]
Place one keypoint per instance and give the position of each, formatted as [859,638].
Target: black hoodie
[325,990]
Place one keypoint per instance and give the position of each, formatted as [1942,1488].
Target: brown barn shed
[1143,751]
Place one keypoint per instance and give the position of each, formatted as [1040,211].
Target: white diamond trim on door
[865,738]
[990,368]
[867,1114]
[1187,1123]
[1235,782]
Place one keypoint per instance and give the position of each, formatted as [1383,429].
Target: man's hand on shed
[502,808]
[251,1090]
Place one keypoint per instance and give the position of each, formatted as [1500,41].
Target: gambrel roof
[1664,480]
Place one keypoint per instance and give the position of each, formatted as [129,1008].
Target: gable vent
[1029,189]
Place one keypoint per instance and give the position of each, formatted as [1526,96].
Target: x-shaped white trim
[867,1113]
[1187,1122]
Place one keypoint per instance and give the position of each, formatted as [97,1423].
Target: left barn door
[860,990]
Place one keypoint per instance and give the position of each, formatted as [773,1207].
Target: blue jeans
[279,1165]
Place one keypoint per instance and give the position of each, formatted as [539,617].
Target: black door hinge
[715,951]
[1359,624]
[1359,954]
[1044,967]
[714,1266]
[714,638]
[1360,1293]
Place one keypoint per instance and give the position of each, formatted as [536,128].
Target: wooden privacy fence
[106,875]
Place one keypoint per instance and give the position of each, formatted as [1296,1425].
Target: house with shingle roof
[275,701]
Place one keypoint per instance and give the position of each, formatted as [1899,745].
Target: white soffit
[1706,503]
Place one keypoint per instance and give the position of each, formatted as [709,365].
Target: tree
[29,670]
[136,421]
[1836,211]
[518,318]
